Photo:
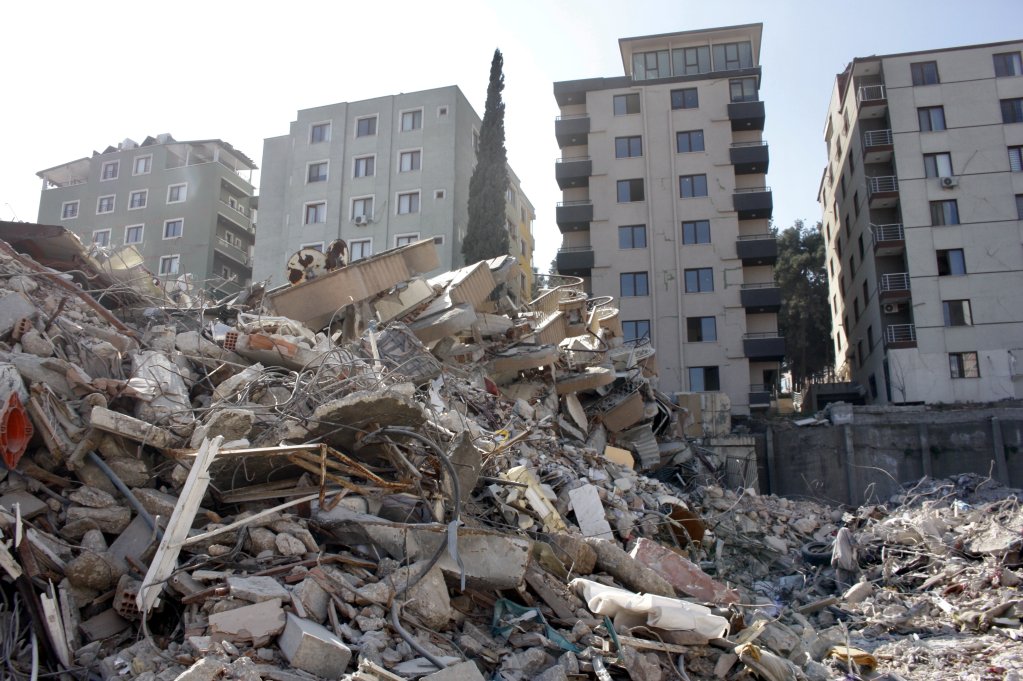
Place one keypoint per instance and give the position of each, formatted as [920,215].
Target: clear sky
[79,76]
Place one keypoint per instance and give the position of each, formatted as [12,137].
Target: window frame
[960,305]
[412,113]
[142,233]
[684,67]
[410,237]
[131,199]
[1014,63]
[169,272]
[116,165]
[371,165]
[64,206]
[680,98]
[358,126]
[694,183]
[629,141]
[694,227]
[320,209]
[626,99]
[325,163]
[945,216]
[743,84]
[704,385]
[170,221]
[1015,164]
[933,163]
[964,364]
[632,231]
[699,279]
[638,281]
[315,245]
[922,72]
[928,112]
[184,194]
[690,136]
[362,243]
[697,331]
[1012,110]
[416,164]
[148,158]
[99,204]
[630,184]
[638,325]
[944,256]
[318,125]
[414,199]
[367,200]
[109,235]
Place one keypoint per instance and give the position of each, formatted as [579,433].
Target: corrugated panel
[642,441]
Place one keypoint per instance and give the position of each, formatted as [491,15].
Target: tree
[487,236]
[804,319]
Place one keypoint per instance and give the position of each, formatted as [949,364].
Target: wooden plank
[55,627]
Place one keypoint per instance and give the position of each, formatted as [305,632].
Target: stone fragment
[629,571]
[92,571]
[91,497]
[684,575]
[313,598]
[261,539]
[206,669]
[257,589]
[232,424]
[858,592]
[313,648]
[132,472]
[641,667]
[13,307]
[527,663]
[156,502]
[589,512]
[31,505]
[111,520]
[555,673]
[428,599]
[254,624]
[35,343]
[776,544]
[288,545]
[463,671]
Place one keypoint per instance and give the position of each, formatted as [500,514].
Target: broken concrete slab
[463,671]
[587,380]
[15,306]
[589,512]
[257,589]
[613,560]
[312,647]
[30,505]
[681,573]
[523,358]
[132,428]
[254,625]
[357,412]
[111,520]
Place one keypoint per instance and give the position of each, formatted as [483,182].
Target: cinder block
[311,647]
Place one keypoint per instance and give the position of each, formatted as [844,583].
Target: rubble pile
[372,475]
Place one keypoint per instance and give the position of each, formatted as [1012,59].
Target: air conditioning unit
[890,308]
[361,220]
[948,182]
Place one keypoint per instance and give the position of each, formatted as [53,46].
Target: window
[105,204]
[439,194]
[856,309]
[924,73]
[686,98]
[870,339]
[411,120]
[365,127]
[172,229]
[364,166]
[957,312]
[409,161]
[690,60]
[932,118]
[1019,206]
[1012,110]
[689,140]
[636,330]
[1016,159]
[316,246]
[476,141]
[632,236]
[701,329]
[945,212]
[176,193]
[699,280]
[856,202]
[938,165]
[408,203]
[628,147]
[630,190]
[963,365]
[317,172]
[647,65]
[743,89]
[704,379]
[696,232]
[439,240]
[110,170]
[732,56]
[133,234]
[951,263]
[442,111]
[142,165]
[405,239]
[315,213]
[859,353]
[169,264]
[69,210]
[866,292]
[1007,64]
[319,132]
[362,208]
[634,284]
[626,104]
[101,237]
[137,199]
[690,186]
[359,249]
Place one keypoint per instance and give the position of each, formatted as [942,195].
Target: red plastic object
[15,431]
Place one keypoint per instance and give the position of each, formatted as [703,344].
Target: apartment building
[185,206]
[665,206]
[377,173]
[922,199]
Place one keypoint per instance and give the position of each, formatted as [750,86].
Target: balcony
[883,191]
[229,250]
[872,101]
[757,249]
[888,239]
[760,297]
[760,395]
[573,172]
[877,146]
[749,157]
[898,336]
[746,115]
[575,261]
[767,346]
[573,215]
[572,130]
[894,287]
[753,203]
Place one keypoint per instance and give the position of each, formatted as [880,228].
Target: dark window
[699,280]
[945,212]
[701,329]
[690,186]
[689,140]
[1007,64]
[632,236]
[318,172]
[924,73]
[866,292]
[852,266]
[743,89]
[732,56]
[1016,159]
[626,104]
[704,379]
[364,166]
[859,353]
[1012,110]
[1019,206]
[951,263]
[938,165]
[319,133]
[696,232]
[856,309]
[690,60]
[630,190]
[686,98]
[873,386]
[647,65]
[365,127]
[636,330]
[957,312]
[626,147]
[856,203]
[634,284]
[963,365]
[932,118]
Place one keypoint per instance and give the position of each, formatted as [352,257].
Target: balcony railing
[761,334]
[755,143]
[877,138]
[870,93]
[752,190]
[583,202]
[568,117]
[882,184]
[766,236]
[892,232]
[898,281]
[570,159]
[900,333]
[232,251]
[574,249]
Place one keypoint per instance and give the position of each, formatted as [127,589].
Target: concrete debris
[413,472]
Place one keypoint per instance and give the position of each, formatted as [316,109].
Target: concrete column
[772,470]
[1001,468]
[925,452]
[850,471]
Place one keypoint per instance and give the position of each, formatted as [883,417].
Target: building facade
[185,206]
[922,199]
[665,206]
[378,173]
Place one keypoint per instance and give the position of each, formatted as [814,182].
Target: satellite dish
[306,265]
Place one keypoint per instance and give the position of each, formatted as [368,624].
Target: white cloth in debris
[629,610]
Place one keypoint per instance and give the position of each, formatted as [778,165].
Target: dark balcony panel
[760,297]
[883,191]
[764,346]
[746,115]
[749,157]
[894,287]
[575,262]
[572,130]
[888,239]
[573,172]
[759,399]
[872,101]
[569,92]
[754,203]
[574,215]
[760,249]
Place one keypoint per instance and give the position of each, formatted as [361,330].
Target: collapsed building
[374,475]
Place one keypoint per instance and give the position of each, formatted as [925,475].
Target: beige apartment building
[665,206]
[922,202]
